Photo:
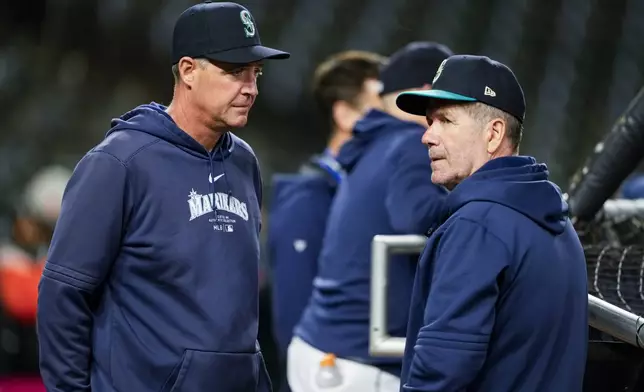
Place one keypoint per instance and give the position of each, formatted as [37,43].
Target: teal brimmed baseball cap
[468,78]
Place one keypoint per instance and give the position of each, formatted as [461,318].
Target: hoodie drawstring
[213,177]
[223,169]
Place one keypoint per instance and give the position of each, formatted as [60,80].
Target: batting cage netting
[615,275]
[612,229]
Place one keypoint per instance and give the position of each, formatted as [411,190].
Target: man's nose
[250,88]
[429,138]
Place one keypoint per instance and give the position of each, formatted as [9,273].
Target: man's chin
[238,122]
[437,179]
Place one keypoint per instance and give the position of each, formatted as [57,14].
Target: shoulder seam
[109,154]
[487,231]
[124,165]
[140,149]
[131,156]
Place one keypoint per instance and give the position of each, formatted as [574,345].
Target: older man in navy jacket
[500,298]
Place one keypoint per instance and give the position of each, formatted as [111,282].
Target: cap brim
[248,54]
[417,102]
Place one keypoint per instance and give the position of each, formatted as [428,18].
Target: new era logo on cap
[467,78]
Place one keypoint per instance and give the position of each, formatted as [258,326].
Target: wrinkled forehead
[441,107]
[235,66]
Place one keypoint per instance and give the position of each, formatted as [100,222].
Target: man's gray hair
[175,68]
[484,113]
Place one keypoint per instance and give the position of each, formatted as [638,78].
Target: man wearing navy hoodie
[345,87]
[387,190]
[500,297]
[152,277]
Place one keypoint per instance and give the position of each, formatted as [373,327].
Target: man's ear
[495,133]
[344,115]
[187,68]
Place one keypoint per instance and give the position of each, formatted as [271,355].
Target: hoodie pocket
[215,371]
[176,376]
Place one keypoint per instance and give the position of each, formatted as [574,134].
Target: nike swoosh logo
[213,180]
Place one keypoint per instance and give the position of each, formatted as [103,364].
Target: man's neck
[337,140]
[504,151]
[194,124]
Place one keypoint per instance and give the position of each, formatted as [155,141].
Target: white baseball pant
[303,362]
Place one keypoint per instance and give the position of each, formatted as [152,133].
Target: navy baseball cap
[412,66]
[222,32]
[467,78]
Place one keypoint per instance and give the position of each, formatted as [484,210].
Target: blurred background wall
[68,66]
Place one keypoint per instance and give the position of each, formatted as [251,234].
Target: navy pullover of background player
[387,190]
[297,222]
[500,299]
[152,278]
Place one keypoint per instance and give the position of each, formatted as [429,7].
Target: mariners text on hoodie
[387,190]
[500,297]
[151,283]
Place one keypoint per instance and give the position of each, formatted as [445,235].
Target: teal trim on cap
[438,94]
[416,102]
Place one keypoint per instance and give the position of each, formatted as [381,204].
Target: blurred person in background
[22,258]
[151,282]
[500,301]
[387,190]
[633,187]
[345,87]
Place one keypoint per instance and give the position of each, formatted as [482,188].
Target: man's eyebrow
[230,67]
[439,113]
[248,66]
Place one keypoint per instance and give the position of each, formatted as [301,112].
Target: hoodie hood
[320,175]
[366,130]
[287,187]
[153,119]
[517,182]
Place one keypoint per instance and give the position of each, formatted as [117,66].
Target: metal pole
[623,209]
[602,315]
[380,343]
[615,321]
